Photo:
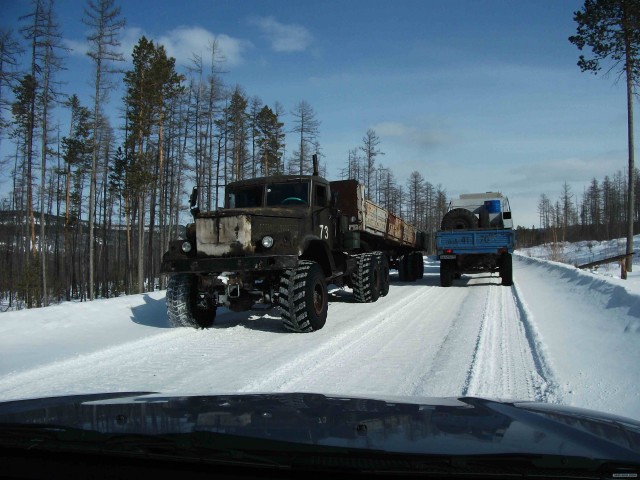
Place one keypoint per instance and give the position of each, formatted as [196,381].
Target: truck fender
[318,251]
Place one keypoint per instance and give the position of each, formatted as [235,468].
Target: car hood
[415,425]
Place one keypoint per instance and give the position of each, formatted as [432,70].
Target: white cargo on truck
[494,203]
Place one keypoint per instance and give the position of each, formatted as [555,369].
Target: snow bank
[599,290]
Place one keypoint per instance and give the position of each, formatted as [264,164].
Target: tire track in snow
[507,361]
[446,371]
[303,371]
[552,392]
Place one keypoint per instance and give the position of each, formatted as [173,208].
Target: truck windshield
[245,197]
[287,194]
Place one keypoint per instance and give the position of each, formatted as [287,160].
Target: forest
[91,207]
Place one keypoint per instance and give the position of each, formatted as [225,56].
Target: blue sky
[475,95]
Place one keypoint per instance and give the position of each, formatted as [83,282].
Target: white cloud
[284,38]
[128,40]
[183,42]
[76,47]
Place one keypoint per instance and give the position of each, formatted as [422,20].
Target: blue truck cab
[476,235]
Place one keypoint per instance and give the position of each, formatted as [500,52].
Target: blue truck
[476,235]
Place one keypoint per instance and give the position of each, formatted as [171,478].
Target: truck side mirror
[506,215]
[193,198]
[193,201]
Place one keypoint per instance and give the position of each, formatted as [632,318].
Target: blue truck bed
[474,241]
[472,251]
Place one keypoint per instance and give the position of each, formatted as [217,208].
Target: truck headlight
[186,247]
[267,241]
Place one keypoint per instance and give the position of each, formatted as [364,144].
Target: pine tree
[140,101]
[611,28]
[238,122]
[76,149]
[270,141]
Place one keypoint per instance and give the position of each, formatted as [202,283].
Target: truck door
[323,225]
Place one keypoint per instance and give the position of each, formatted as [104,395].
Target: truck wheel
[447,271]
[383,262]
[366,285]
[402,269]
[303,298]
[185,306]
[419,265]
[406,268]
[506,269]
[459,219]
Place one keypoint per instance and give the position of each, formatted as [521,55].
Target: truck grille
[224,236]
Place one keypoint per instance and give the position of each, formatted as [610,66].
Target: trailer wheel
[366,285]
[447,272]
[406,268]
[186,307]
[506,269]
[459,219]
[383,262]
[402,269]
[303,298]
[419,265]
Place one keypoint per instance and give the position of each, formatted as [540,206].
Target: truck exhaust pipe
[315,165]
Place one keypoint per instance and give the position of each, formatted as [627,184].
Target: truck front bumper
[228,264]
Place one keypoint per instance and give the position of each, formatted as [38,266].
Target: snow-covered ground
[588,251]
[558,335]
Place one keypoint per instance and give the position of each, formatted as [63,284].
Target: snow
[559,335]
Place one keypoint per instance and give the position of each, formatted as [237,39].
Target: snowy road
[476,338]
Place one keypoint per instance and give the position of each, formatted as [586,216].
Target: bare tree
[51,63]
[306,125]
[370,148]
[103,18]
[9,52]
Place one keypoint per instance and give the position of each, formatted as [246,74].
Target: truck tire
[402,269]
[303,298]
[506,269]
[367,279]
[407,268]
[185,307]
[459,219]
[447,272]
[383,262]
[419,265]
